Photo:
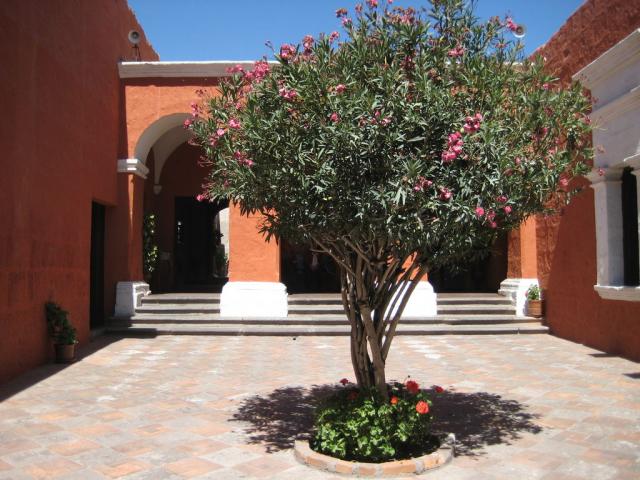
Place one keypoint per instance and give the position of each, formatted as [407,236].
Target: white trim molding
[254,300]
[206,69]
[628,294]
[516,290]
[133,165]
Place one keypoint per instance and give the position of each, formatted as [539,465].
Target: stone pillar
[523,265]
[126,237]
[254,288]
[610,260]
[423,301]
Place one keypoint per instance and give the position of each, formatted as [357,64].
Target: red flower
[412,387]
[422,407]
[344,381]
[438,388]
[394,400]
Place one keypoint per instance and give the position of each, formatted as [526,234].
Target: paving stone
[229,408]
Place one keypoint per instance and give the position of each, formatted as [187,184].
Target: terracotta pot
[65,353]
[535,308]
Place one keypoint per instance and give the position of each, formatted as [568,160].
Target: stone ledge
[303,453]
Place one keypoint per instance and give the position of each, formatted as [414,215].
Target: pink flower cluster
[340,88]
[458,51]
[187,123]
[234,123]
[260,70]
[445,194]
[242,159]
[307,43]
[334,117]
[372,3]
[287,51]
[403,16]
[289,94]
[195,110]
[341,12]
[422,184]
[333,36]
[511,25]
[472,124]
[346,22]
[454,147]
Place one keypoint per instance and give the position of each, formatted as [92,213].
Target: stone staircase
[319,315]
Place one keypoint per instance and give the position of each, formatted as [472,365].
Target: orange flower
[394,400]
[422,407]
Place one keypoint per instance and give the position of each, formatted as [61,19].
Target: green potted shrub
[535,304]
[62,332]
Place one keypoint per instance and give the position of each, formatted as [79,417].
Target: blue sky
[238,29]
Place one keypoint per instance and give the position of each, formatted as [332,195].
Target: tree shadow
[476,419]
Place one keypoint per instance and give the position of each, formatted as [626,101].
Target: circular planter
[535,308]
[440,457]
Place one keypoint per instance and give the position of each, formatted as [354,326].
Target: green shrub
[358,424]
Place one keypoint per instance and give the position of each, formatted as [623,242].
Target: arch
[164,136]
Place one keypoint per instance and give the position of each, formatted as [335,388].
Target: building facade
[95,141]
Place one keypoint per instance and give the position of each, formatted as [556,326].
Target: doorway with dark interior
[482,276]
[306,271]
[200,259]
[96,269]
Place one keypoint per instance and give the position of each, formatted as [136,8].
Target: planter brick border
[416,466]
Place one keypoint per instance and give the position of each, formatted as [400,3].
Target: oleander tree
[403,144]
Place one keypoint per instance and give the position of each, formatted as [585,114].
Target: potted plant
[535,305]
[62,332]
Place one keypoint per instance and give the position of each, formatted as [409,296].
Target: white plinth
[516,290]
[254,300]
[423,302]
[128,297]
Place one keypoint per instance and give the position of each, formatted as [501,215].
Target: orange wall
[60,94]
[567,244]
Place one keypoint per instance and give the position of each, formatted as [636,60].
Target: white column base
[128,297]
[423,302]
[516,290]
[254,300]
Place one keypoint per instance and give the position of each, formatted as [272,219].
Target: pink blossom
[234,123]
[422,184]
[359,8]
[385,121]
[493,224]
[307,43]
[340,88]
[491,215]
[454,147]
[187,123]
[545,86]
[242,159]
[372,3]
[200,197]
[601,172]
[458,51]
[287,51]
[287,94]
[333,36]
[213,140]
[479,212]
[507,209]
[260,70]
[335,118]
[472,124]
[445,194]
[220,132]
[235,69]
[501,199]
[346,22]
[518,161]
[341,12]
[564,182]
[511,25]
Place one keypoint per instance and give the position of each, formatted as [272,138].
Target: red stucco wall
[60,94]
[567,244]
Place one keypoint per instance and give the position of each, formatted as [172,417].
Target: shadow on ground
[477,419]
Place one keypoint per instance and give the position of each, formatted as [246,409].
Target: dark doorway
[96,282]
[304,271]
[483,276]
[630,228]
[199,254]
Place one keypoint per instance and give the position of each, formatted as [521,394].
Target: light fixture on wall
[134,38]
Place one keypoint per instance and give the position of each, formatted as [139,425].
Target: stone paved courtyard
[523,407]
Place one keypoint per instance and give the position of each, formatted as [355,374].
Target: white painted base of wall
[516,290]
[423,302]
[128,297]
[254,300]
